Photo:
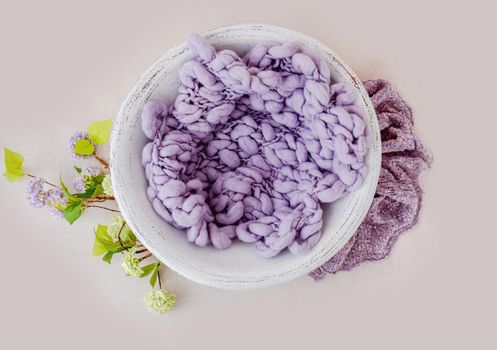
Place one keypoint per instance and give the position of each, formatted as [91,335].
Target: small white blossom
[107,186]
[159,301]
[116,223]
[131,263]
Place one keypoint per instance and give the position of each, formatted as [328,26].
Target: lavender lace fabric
[398,197]
[252,146]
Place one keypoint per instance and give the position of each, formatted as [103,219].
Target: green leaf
[99,131]
[98,190]
[97,180]
[66,191]
[84,147]
[147,269]
[102,233]
[127,235]
[93,188]
[153,278]
[103,242]
[110,246]
[85,195]
[72,212]
[13,165]
[108,256]
[89,192]
[99,247]
[78,169]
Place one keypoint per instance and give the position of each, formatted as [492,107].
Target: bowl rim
[314,260]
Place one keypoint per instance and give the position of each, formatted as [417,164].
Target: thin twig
[141,251]
[99,199]
[134,243]
[98,206]
[101,160]
[145,257]
[95,200]
[158,277]
[107,198]
[48,183]
[119,235]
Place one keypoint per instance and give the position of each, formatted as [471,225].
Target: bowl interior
[237,266]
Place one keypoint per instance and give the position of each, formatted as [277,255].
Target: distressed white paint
[237,267]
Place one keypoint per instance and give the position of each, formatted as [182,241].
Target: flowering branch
[93,185]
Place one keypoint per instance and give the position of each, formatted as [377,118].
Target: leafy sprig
[96,188]
[78,202]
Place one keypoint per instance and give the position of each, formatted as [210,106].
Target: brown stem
[130,245]
[95,200]
[145,257]
[103,196]
[98,206]
[137,243]
[158,277]
[107,198]
[48,183]
[119,235]
[141,251]
[99,199]
[101,160]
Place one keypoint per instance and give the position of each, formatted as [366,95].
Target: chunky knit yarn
[252,146]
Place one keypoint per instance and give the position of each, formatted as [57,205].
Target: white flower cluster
[159,301]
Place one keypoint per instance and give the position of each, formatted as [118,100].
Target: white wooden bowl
[237,267]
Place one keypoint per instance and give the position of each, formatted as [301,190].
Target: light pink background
[63,65]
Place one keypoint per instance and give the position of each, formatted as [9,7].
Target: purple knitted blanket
[398,197]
